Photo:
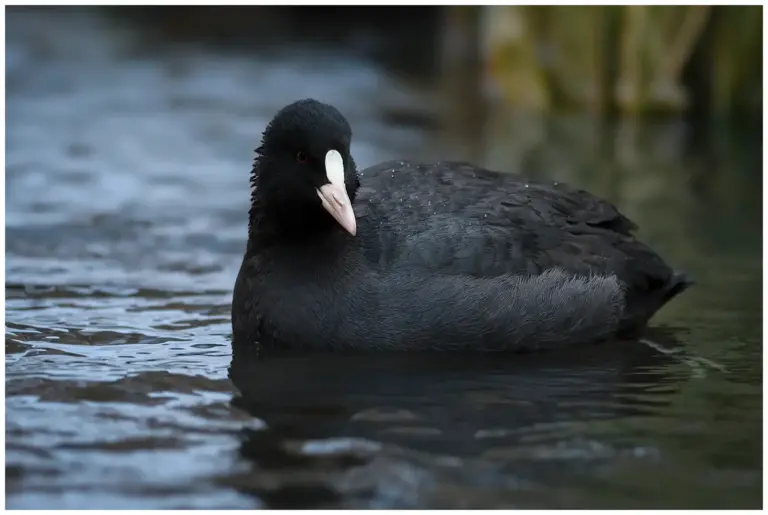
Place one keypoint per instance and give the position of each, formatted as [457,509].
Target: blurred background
[129,138]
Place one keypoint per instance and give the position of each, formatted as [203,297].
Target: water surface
[126,177]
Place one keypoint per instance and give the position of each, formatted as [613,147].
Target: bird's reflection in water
[484,424]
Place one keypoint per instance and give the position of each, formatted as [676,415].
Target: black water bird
[442,256]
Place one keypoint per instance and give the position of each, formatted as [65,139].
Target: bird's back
[452,217]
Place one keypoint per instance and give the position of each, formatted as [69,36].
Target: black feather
[448,256]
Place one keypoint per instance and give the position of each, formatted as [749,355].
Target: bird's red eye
[301,157]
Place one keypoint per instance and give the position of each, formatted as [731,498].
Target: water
[126,177]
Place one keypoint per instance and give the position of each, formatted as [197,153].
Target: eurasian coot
[444,256]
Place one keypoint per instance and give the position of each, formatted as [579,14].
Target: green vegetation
[622,59]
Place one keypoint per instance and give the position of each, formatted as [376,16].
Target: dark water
[126,177]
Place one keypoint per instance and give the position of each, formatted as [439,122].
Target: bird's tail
[641,310]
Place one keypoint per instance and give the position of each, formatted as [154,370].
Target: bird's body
[454,217]
[442,256]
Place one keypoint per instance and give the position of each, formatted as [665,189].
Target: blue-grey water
[126,195]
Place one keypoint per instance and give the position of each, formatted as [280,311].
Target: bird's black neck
[273,220]
[274,224]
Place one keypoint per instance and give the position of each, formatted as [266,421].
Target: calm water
[126,177]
